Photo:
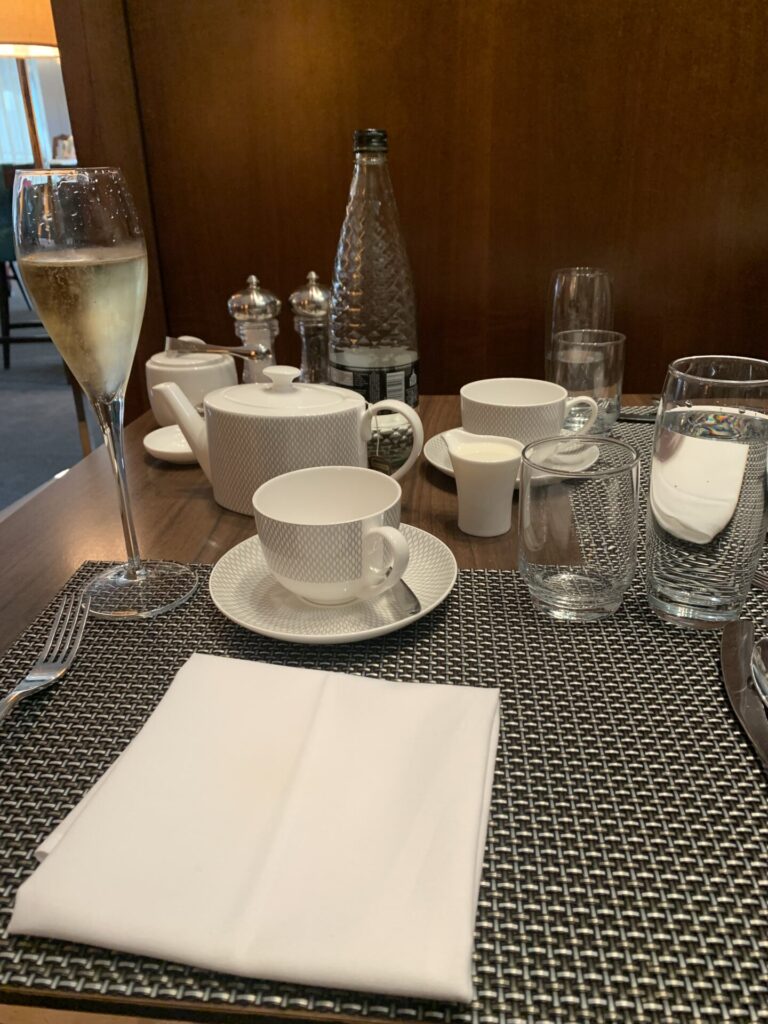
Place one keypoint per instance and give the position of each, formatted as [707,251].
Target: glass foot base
[686,606]
[564,613]
[156,587]
[574,594]
[692,617]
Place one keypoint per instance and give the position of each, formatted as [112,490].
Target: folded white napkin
[695,485]
[288,824]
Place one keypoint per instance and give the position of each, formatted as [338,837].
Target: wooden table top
[76,518]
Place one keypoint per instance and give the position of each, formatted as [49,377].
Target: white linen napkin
[288,824]
[695,485]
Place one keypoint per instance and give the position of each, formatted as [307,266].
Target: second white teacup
[520,408]
[330,533]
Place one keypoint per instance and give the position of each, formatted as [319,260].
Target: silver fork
[57,655]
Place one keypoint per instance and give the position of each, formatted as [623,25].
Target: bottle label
[376,384]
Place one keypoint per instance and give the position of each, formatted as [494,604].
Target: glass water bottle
[373,347]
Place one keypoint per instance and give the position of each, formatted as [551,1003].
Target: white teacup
[196,373]
[520,408]
[330,533]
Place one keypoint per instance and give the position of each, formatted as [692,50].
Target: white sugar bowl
[254,432]
[196,373]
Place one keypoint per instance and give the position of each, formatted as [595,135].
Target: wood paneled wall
[525,135]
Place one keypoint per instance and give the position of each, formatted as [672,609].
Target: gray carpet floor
[38,425]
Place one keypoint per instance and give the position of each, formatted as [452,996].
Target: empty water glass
[579,298]
[707,503]
[578,524]
[590,362]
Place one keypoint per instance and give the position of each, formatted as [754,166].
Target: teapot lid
[282,396]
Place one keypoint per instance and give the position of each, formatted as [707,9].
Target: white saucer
[243,589]
[170,445]
[436,453]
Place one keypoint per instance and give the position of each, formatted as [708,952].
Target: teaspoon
[759,667]
[193,345]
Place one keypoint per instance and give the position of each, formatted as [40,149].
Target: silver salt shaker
[311,306]
[255,311]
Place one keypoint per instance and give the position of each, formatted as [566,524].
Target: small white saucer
[243,589]
[170,445]
[436,453]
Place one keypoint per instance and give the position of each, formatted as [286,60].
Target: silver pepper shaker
[255,311]
[311,305]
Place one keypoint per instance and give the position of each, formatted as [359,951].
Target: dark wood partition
[525,135]
[97,65]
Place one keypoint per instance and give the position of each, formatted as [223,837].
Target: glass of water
[707,501]
[590,362]
[579,297]
[578,524]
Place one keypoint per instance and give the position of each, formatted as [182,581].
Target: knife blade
[735,652]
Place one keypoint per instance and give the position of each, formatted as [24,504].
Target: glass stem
[110,417]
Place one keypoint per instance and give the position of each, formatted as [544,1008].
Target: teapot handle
[392,405]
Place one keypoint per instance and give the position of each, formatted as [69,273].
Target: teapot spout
[178,406]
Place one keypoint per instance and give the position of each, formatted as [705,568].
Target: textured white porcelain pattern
[244,590]
[523,423]
[246,451]
[319,554]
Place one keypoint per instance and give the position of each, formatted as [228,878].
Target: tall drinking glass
[579,298]
[707,501]
[578,524]
[590,363]
[81,253]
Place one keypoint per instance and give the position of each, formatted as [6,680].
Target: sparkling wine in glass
[82,255]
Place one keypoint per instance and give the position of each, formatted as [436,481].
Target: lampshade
[27,30]
[27,23]
[25,50]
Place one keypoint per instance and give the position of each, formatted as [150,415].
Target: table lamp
[27,30]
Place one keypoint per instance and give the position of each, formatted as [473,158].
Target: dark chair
[7,274]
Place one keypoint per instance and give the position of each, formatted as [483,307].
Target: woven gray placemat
[626,869]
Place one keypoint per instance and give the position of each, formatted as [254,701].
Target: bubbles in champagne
[91,303]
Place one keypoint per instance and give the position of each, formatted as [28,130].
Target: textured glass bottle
[373,347]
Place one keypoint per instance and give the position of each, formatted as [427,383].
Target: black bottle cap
[370,140]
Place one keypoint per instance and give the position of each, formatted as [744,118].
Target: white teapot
[253,432]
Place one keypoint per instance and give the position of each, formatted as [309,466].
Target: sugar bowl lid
[172,360]
[283,396]
[253,302]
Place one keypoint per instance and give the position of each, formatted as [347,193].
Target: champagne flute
[82,255]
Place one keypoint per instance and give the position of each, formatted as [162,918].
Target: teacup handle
[393,405]
[396,556]
[582,400]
